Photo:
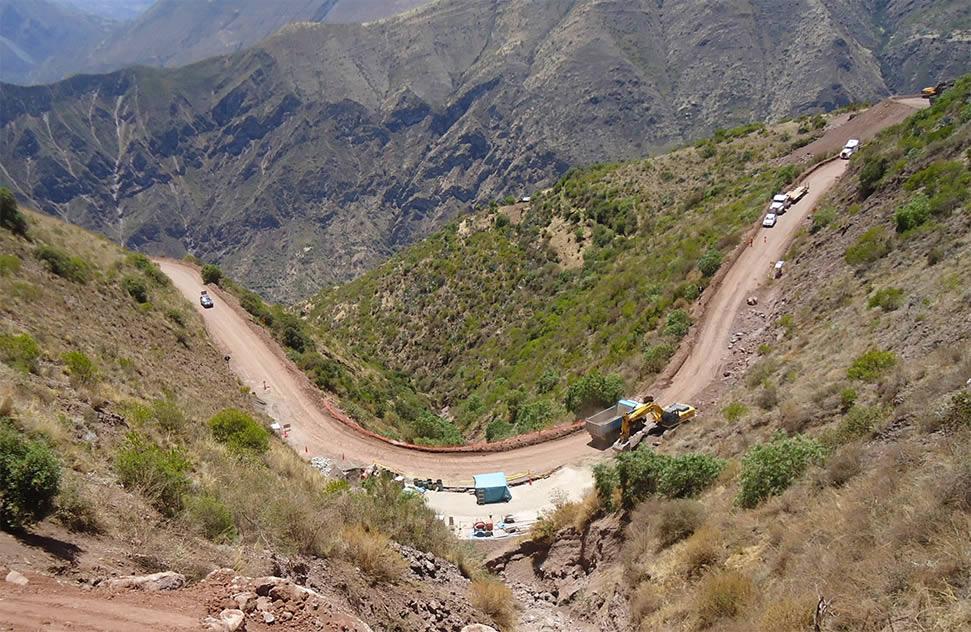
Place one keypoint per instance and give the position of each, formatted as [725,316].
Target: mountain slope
[41,38]
[335,145]
[844,427]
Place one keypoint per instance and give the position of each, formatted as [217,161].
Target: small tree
[136,288]
[211,274]
[239,431]
[29,478]
[770,468]
[710,262]
[10,216]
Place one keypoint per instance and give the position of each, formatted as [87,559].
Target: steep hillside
[834,476]
[120,10]
[333,146]
[498,314]
[40,38]
[127,446]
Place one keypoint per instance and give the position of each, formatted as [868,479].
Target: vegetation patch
[888,299]
[159,474]
[30,478]
[872,245]
[19,351]
[643,473]
[770,468]
[72,268]
[871,365]
[239,431]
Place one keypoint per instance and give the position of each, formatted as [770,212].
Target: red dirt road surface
[292,399]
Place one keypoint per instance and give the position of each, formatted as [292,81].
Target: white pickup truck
[850,148]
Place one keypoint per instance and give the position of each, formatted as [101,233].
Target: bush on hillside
[770,468]
[678,323]
[29,478]
[677,519]
[58,262]
[870,365]
[592,391]
[148,267]
[239,431]
[20,352]
[10,216]
[734,411]
[644,473]
[211,274]
[872,245]
[371,551]
[888,299]
[493,598]
[605,481]
[724,595]
[822,218]
[210,517]
[80,367]
[76,511]
[656,356]
[136,288]
[912,214]
[430,429]
[945,182]
[9,264]
[159,474]
[872,172]
[710,262]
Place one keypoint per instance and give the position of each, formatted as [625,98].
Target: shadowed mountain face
[310,158]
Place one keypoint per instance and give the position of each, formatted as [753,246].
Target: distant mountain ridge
[306,160]
[164,33]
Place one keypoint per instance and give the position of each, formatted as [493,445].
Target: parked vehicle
[769,220]
[850,148]
[205,300]
[798,193]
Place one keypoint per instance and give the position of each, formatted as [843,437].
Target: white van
[850,148]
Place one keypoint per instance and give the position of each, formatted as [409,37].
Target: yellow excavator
[634,426]
[932,92]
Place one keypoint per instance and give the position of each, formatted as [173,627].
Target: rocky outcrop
[166,580]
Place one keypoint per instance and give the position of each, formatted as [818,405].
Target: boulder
[262,585]
[752,300]
[166,580]
[230,620]
[287,592]
[246,601]
[13,577]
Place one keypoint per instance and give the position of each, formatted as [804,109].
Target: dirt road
[292,399]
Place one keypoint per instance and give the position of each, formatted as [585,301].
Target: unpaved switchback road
[291,398]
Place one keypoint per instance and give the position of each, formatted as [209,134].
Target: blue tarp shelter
[491,488]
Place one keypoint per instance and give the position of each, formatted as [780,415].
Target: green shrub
[148,267]
[210,516]
[605,481]
[499,429]
[548,381]
[770,468]
[946,183]
[159,474]
[871,365]
[594,390]
[536,415]
[734,411]
[870,175]
[710,262]
[240,432]
[656,356]
[858,423]
[167,415]
[847,398]
[80,367]
[20,352]
[644,473]
[10,216]
[211,274]
[58,262]
[177,316]
[136,288]
[678,323]
[29,478]
[430,429]
[912,214]
[872,245]
[9,264]
[688,475]
[888,299]
[822,218]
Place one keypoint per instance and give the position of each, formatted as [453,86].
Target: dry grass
[723,595]
[646,600]
[493,598]
[372,553]
[788,614]
[677,519]
[700,551]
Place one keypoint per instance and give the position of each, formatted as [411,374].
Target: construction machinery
[650,419]
[932,92]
